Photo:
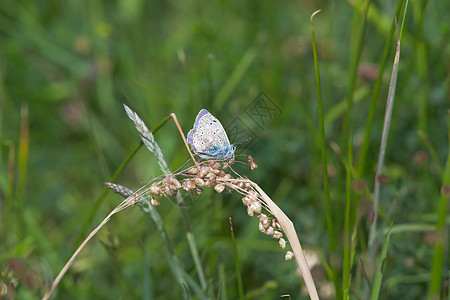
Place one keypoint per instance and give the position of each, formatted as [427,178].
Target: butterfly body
[208,138]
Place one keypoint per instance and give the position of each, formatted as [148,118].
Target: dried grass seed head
[155,189]
[219,187]
[289,255]
[250,212]
[174,183]
[198,181]
[261,228]
[154,202]
[252,195]
[208,183]
[227,164]
[246,201]
[264,221]
[282,243]
[221,173]
[263,217]
[211,176]
[188,184]
[167,191]
[214,164]
[277,235]
[251,163]
[270,231]
[204,170]
[191,171]
[256,207]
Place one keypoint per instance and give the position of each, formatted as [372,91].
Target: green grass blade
[348,142]
[353,71]
[346,279]
[23,155]
[236,263]
[442,238]
[196,257]
[222,290]
[376,286]
[384,137]
[9,194]
[422,68]
[326,185]
[147,281]
[375,93]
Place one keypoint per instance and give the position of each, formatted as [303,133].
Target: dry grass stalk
[288,228]
[211,174]
[130,201]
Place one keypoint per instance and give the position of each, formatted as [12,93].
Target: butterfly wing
[208,138]
[215,131]
[193,134]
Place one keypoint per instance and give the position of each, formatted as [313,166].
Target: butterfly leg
[174,117]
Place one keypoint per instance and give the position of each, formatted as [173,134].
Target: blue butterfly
[208,139]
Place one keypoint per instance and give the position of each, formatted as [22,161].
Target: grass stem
[384,136]
[326,185]
[236,263]
[441,230]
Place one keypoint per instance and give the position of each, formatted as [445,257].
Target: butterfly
[208,139]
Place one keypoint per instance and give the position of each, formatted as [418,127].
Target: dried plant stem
[174,117]
[384,136]
[291,234]
[288,229]
[150,143]
[126,203]
[373,102]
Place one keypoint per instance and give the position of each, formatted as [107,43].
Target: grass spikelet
[148,139]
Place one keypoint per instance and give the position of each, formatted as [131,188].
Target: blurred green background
[66,67]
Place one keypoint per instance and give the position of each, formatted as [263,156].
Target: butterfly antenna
[174,117]
[244,141]
[181,168]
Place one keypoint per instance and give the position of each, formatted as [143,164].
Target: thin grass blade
[376,287]
[384,137]
[326,185]
[441,246]
[236,263]
[375,93]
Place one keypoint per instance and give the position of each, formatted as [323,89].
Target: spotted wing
[193,133]
[208,138]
